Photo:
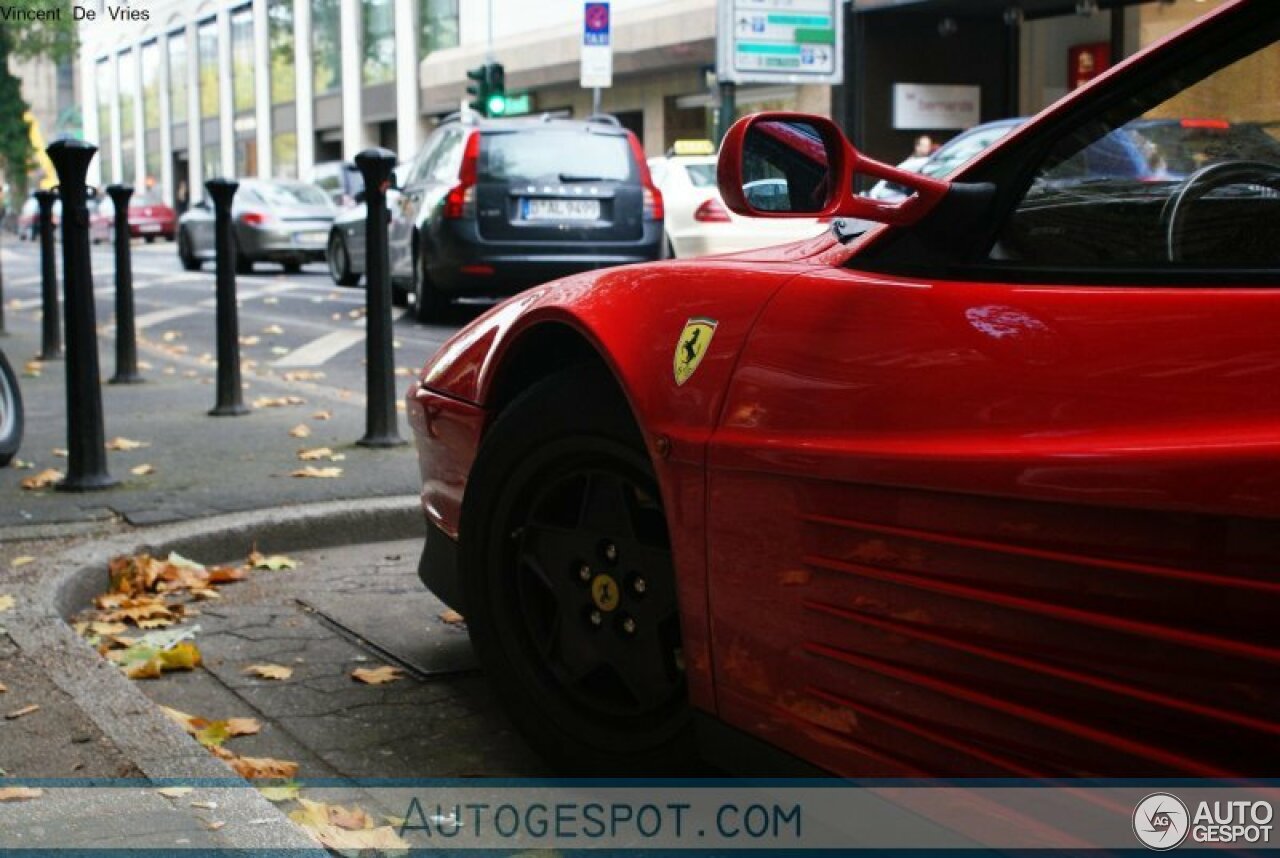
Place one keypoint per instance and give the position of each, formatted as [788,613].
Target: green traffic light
[497,105]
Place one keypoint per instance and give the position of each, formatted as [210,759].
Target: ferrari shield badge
[692,346]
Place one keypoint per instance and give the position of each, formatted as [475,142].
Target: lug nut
[639,586]
[629,626]
[611,552]
[595,618]
[584,573]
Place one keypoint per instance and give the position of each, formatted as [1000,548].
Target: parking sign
[597,46]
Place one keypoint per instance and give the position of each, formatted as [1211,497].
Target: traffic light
[496,103]
[489,90]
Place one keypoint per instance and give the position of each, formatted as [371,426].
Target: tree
[50,37]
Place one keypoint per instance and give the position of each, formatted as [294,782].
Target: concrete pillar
[117,158]
[139,120]
[262,87]
[226,95]
[304,75]
[195,132]
[407,32]
[92,133]
[352,25]
[167,183]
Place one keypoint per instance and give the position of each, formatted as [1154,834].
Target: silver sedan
[271,221]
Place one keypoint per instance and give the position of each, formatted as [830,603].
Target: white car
[698,223]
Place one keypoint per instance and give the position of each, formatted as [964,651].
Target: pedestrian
[924,147]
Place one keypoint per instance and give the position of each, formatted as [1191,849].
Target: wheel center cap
[604,592]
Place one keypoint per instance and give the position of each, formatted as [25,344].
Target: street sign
[597,46]
[780,41]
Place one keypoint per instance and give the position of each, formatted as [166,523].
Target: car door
[1014,512]
[407,205]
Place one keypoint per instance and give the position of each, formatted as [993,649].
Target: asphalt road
[299,323]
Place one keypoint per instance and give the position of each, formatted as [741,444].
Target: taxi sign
[693,147]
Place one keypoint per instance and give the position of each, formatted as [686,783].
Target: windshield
[559,155]
[291,194]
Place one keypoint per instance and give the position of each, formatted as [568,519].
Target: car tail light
[460,202]
[653,207]
[711,211]
[256,218]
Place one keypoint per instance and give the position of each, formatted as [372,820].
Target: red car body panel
[932,527]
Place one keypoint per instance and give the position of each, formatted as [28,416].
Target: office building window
[280,37]
[177,47]
[242,60]
[106,95]
[438,23]
[211,155]
[207,49]
[128,92]
[151,85]
[326,32]
[378,18]
[284,155]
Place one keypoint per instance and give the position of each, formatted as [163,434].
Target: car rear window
[702,175]
[556,155]
[280,194]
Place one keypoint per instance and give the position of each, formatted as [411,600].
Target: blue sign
[595,24]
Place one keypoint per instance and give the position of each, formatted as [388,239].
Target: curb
[53,589]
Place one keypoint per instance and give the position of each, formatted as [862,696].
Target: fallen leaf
[59,452]
[377,675]
[42,480]
[25,710]
[142,470]
[273,562]
[22,465]
[273,329]
[19,793]
[350,818]
[303,375]
[279,350]
[269,671]
[227,574]
[175,792]
[32,368]
[277,401]
[243,726]
[21,561]
[263,767]
[3,688]
[6,603]
[249,341]
[317,473]
[212,733]
[215,825]
[271,300]
[302,430]
[156,623]
[170,336]
[315,454]
[322,415]
[285,792]
[452,617]
[190,723]
[126,444]
[100,628]
[205,805]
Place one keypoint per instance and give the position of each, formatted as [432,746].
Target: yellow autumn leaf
[277,401]
[303,375]
[259,768]
[315,454]
[25,710]
[377,675]
[19,793]
[285,792]
[142,470]
[310,471]
[42,480]
[23,560]
[269,671]
[125,444]
[243,726]
[107,629]
[174,792]
[6,603]
[59,452]
[3,688]
[322,415]
[302,430]
[273,329]
[452,617]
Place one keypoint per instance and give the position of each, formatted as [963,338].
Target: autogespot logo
[1160,821]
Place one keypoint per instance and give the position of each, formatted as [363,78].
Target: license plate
[150,227]
[310,238]
[561,209]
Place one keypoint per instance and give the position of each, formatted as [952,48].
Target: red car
[982,483]
[149,218]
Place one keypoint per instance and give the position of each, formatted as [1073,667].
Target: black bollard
[230,398]
[86,452]
[126,336]
[50,318]
[380,390]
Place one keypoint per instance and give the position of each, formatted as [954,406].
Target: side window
[423,162]
[1186,174]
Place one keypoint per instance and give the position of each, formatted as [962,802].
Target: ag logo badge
[604,592]
[692,346]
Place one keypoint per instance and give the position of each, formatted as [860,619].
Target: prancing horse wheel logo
[604,592]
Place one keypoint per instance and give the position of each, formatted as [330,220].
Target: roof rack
[605,119]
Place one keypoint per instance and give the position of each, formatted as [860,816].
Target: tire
[292,267]
[340,261]
[428,303]
[11,414]
[188,259]
[399,296]
[589,693]
[149,239]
